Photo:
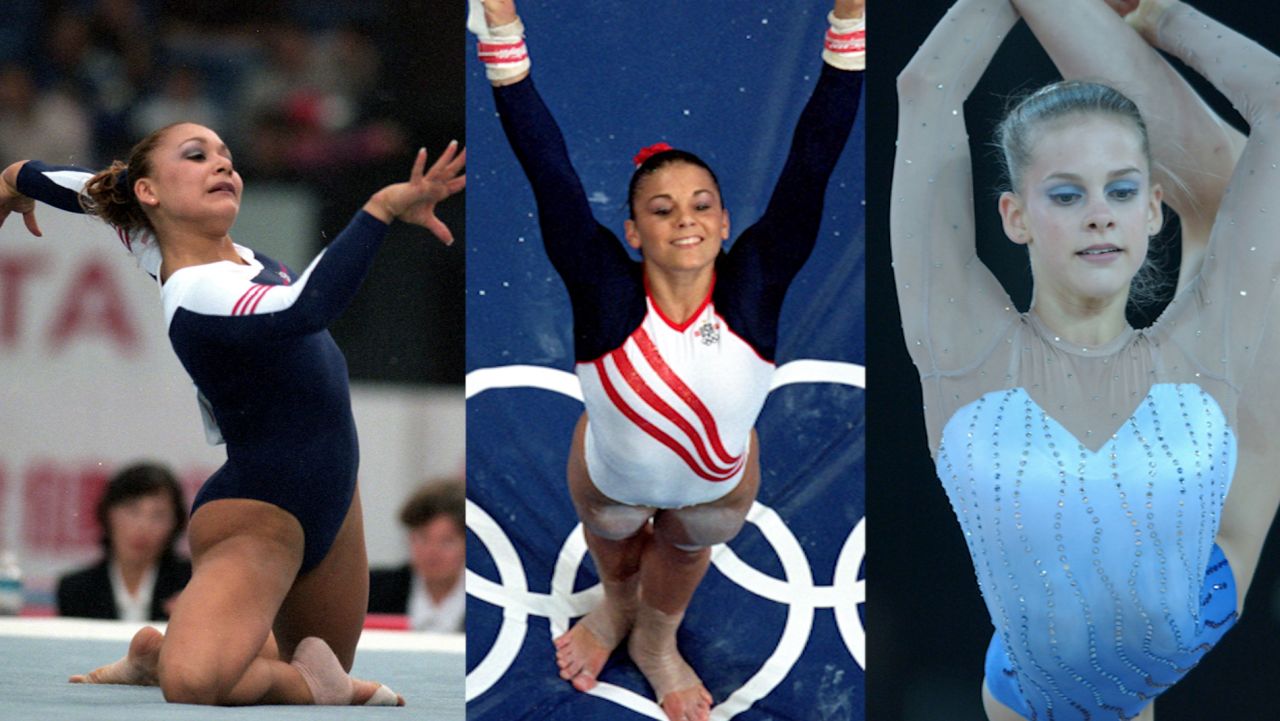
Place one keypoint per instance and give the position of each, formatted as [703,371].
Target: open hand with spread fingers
[414,201]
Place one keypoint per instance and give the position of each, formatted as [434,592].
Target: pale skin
[678,225]
[234,629]
[1195,152]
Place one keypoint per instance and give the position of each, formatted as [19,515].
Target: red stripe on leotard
[642,389]
[686,394]
[655,432]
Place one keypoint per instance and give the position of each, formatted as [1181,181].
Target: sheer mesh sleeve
[952,307]
[1221,318]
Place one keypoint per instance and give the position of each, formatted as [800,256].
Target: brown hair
[656,162]
[109,194]
[441,497]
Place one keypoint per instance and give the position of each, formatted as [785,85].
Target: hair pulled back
[1016,134]
[656,162]
[109,193]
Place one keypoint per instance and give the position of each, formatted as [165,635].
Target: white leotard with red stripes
[670,411]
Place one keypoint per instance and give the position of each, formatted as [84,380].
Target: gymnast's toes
[687,704]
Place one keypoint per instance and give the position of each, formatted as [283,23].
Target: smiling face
[680,222]
[190,181]
[1085,208]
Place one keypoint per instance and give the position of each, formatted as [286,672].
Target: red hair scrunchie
[650,151]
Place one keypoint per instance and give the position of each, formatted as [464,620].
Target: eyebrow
[222,147]
[668,196]
[1072,177]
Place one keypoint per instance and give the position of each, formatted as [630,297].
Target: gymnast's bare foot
[137,668]
[687,704]
[653,649]
[582,651]
[680,692]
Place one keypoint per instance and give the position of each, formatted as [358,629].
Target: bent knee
[187,684]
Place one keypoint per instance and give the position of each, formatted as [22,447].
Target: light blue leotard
[1089,482]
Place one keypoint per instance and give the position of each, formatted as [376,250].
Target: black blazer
[389,589]
[87,593]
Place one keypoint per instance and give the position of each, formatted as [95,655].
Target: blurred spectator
[304,105]
[429,588]
[83,59]
[142,514]
[49,125]
[183,100]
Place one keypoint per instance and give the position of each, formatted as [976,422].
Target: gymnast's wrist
[379,207]
[9,176]
[845,44]
[504,54]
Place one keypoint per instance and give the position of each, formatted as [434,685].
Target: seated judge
[142,514]
[428,589]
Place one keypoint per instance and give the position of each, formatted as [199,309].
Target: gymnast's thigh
[330,600]
[603,516]
[318,494]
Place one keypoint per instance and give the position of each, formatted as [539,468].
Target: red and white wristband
[845,46]
[503,52]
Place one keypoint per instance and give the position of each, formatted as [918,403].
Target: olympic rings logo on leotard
[796,590]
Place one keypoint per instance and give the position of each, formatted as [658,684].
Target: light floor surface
[37,656]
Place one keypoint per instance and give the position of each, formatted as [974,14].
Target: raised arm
[769,254]
[1194,150]
[785,234]
[579,247]
[948,299]
[1239,272]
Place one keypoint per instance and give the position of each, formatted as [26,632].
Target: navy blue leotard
[271,382]
[671,404]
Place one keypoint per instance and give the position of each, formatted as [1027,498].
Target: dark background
[927,626]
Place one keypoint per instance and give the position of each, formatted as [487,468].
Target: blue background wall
[727,82]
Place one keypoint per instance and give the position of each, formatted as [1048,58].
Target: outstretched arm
[769,254]
[1194,150]
[26,181]
[581,250]
[786,232]
[947,296]
[231,308]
